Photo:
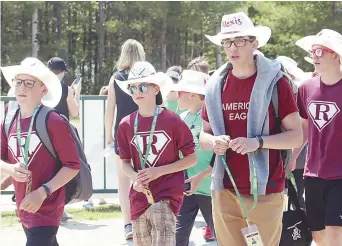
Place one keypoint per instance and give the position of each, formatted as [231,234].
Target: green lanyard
[254,189]
[293,181]
[154,122]
[24,152]
[193,122]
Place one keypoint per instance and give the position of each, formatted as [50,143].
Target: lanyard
[254,189]
[193,122]
[24,152]
[154,122]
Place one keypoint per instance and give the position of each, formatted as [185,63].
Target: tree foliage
[89,34]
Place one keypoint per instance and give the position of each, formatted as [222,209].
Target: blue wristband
[47,190]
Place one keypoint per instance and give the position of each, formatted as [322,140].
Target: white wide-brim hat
[144,72]
[34,67]
[327,38]
[240,25]
[192,81]
[292,67]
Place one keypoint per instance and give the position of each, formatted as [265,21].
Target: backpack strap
[9,119]
[275,101]
[42,131]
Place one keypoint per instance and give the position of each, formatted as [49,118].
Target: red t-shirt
[42,165]
[171,135]
[235,102]
[323,103]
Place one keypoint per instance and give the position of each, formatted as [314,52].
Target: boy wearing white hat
[191,90]
[320,105]
[241,125]
[40,196]
[149,141]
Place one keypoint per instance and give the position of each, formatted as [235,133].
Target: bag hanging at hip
[296,230]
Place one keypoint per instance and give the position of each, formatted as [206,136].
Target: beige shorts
[229,218]
[156,227]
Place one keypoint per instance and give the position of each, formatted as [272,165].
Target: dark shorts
[323,199]
[41,236]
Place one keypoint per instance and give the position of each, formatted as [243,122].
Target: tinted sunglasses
[142,88]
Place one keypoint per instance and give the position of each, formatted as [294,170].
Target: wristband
[47,190]
[261,141]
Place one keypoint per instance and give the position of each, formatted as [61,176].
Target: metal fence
[92,133]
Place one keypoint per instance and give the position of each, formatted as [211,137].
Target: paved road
[88,233]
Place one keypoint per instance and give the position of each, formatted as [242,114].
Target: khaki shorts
[156,227]
[229,218]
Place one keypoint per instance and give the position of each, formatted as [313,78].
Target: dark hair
[199,64]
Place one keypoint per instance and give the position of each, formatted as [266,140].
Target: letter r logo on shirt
[322,113]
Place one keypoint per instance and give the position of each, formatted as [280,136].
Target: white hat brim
[160,79]
[186,88]
[309,60]
[48,78]
[307,42]
[262,34]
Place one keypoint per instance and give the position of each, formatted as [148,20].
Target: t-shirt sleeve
[287,103]
[63,141]
[204,113]
[185,140]
[123,143]
[4,145]
[301,102]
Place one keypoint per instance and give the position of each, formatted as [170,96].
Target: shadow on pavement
[73,225]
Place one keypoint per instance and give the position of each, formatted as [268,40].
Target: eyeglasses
[142,88]
[319,52]
[238,42]
[28,83]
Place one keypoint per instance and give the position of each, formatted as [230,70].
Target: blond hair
[199,64]
[131,52]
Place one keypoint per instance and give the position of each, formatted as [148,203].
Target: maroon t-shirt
[171,135]
[322,104]
[42,165]
[235,103]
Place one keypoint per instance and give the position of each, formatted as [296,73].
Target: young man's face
[143,93]
[324,58]
[186,100]
[240,51]
[28,89]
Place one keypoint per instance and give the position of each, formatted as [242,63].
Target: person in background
[131,52]
[70,100]
[201,65]
[190,91]
[174,73]
[298,76]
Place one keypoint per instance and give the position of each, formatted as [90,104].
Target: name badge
[252,236]
[149,196]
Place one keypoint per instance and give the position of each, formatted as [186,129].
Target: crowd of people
[223,142]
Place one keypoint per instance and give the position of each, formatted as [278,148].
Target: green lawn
[97,213]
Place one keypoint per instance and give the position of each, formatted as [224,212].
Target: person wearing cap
[320,104]
[197,196]
[174,73]
[119,105]
[69,103]
[149,142]
[298,76]
[40,199]
[240,126]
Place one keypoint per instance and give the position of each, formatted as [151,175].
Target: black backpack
[80,188]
